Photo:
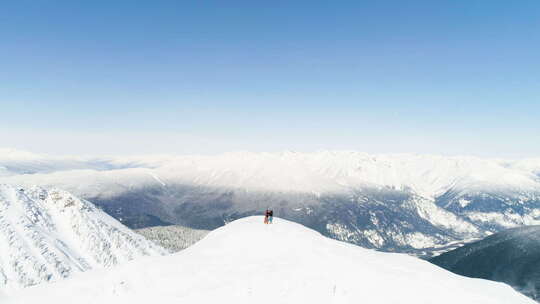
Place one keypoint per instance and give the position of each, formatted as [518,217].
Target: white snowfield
[50,235]
[247,261]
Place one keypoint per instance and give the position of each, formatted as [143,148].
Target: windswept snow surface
[249,262]
[50,235]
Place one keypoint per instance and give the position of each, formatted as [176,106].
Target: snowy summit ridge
[249,262]
[46,235]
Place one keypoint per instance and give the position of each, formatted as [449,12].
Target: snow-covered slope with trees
[49,235]
[249,262]
[510,256]
[174,237]
[402,202]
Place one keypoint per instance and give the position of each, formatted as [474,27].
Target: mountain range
[419,204]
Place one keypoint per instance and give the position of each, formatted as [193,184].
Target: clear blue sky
[130,77]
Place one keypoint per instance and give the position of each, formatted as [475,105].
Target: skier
[270,216]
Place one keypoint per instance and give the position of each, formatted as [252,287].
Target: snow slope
[249,262]
[49,235]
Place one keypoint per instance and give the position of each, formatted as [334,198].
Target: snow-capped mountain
[402,202]
[249,262]
[46,235]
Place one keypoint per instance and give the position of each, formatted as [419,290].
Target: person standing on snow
[266,215]
[270,216]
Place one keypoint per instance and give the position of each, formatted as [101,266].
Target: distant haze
[138,143]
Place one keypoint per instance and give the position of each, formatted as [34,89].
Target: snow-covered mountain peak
[46,235]
[247,261]
[338,171]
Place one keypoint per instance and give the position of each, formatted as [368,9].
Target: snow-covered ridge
[249,262]
[326,171]
[46,235]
